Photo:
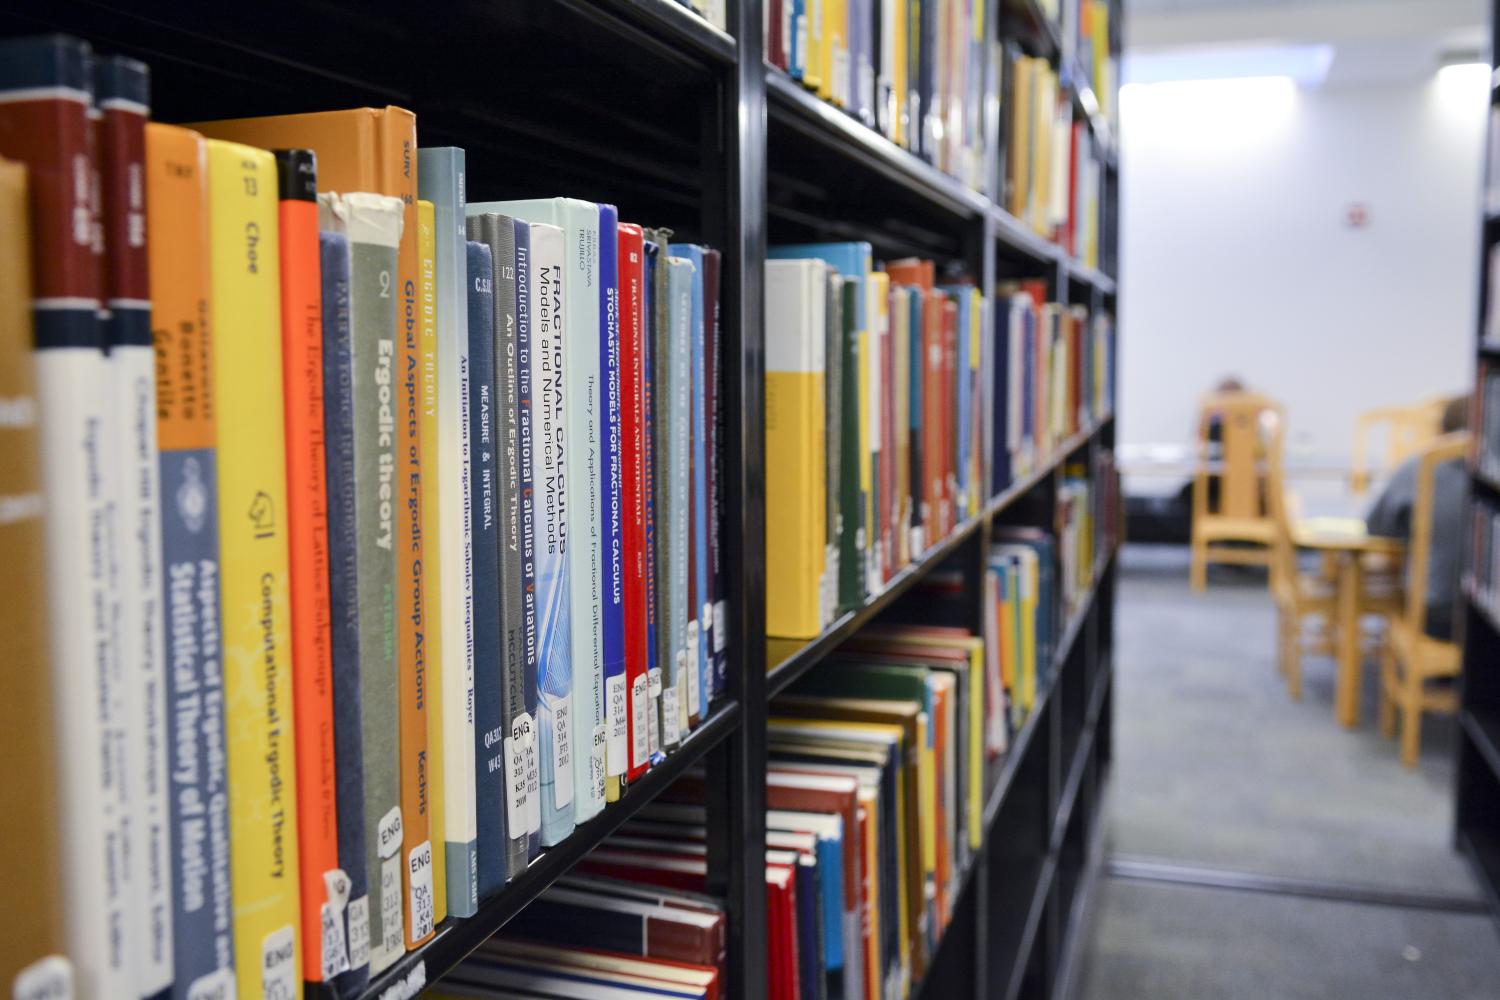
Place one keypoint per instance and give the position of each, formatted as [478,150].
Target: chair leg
[1281,650]
[1387,681]
[1411,723]
[1199,572]
[1292,640]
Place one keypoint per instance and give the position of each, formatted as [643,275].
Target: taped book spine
[372,223]
[344,611]
[523,793]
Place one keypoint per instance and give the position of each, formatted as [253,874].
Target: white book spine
[141,652]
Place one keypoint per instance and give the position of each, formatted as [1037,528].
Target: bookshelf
[1477,815]
[642,104]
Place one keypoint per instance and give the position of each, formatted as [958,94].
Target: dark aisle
[1216,769]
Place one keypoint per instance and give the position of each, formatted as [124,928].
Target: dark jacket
[1391,516]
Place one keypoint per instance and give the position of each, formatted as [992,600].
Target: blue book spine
[551,453]
[616,705]
[489,762]
[796,37]
[809,930]
[648,446]
[699,640]
[717,509]
[677,400]
[831,870]
[523,726]
[343,580]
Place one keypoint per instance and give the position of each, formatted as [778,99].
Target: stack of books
[916,70]
[1052,378]
[873,424]
[379,529]
[1020,588]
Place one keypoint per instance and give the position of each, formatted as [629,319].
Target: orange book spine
[307,533]
[416,843]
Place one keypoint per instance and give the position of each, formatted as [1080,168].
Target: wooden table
[1347,541]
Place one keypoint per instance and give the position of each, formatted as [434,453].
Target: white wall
[1236,256]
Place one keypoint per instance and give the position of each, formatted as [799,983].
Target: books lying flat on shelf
[356,686]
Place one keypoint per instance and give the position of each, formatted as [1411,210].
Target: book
[634,487]
[795,431]
[551,449]
[653,286]
[45,94]
[441,179]
[678,684]
[698,638]
[628,926]
[579,313]
[491,656]
[616,734]
[33,957]
[834,341]
[415,855]
[372,224]
[349,896]
[245,323]
[717,425]
[324,947]
[122,105]
[523,815]
[854,464]
[652,972]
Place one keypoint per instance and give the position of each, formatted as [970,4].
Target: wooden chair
[1239,514]
[1298,596]
[1410,658]
[1408,429]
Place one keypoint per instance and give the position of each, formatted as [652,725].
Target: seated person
[1390,515]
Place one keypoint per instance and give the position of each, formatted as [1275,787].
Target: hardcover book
[372,224]
[324,949]
[653,286]
[634,487]
[245,325]
[32,955]
[716,426]
[489,745]
[349,896]
[122,98]
[676,360]
[441,180]
[45,95]
[699,640]
[612,602]
[580,320]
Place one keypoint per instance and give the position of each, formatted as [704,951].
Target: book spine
[833,443]
[349,886]
[678,398]
[506,437]
[442,178]
[31,956]
[488,680]
[44,124]
[415,857]
[714,421]
[854,455]
[630,260]
[697,640]
[654,274]
[373,225]
[616,734]
[523,797]
[580,324]
[324,953]
[550,470]
[122,88]
[244,323]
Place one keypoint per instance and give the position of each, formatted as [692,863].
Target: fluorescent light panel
[1304,64]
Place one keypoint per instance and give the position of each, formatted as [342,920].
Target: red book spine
[775,35]
[632,492]
[1070,230]
[307,533]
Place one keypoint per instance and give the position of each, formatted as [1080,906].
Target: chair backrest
[1246,422]
[1447,448]
[1408,429]
[1283,566]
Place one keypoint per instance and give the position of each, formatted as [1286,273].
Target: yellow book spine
[1028,634]
[427,429]
[836,40]
[794,515]
[245,320]
[976,744]
[813,72]
[822,21]
[978,328]
[927,795]
[898,73]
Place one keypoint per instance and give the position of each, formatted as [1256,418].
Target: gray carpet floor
[1215,767]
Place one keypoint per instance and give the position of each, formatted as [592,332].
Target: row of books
[380,530]
[1053,378]
[1487,420]
[1483,569]
[715,12]
[916,70]
[873,430]
[1052,172]
[1091,51]
[1088,520]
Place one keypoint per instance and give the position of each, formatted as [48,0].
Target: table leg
[1346,689]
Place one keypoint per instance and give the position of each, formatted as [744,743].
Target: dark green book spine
[851,496]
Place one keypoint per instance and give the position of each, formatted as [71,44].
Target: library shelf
[666,22]
[1089,276]
[1036,913]
[794,657]
[458,936]
[1015,234]
[1042,34]
[1476,818]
